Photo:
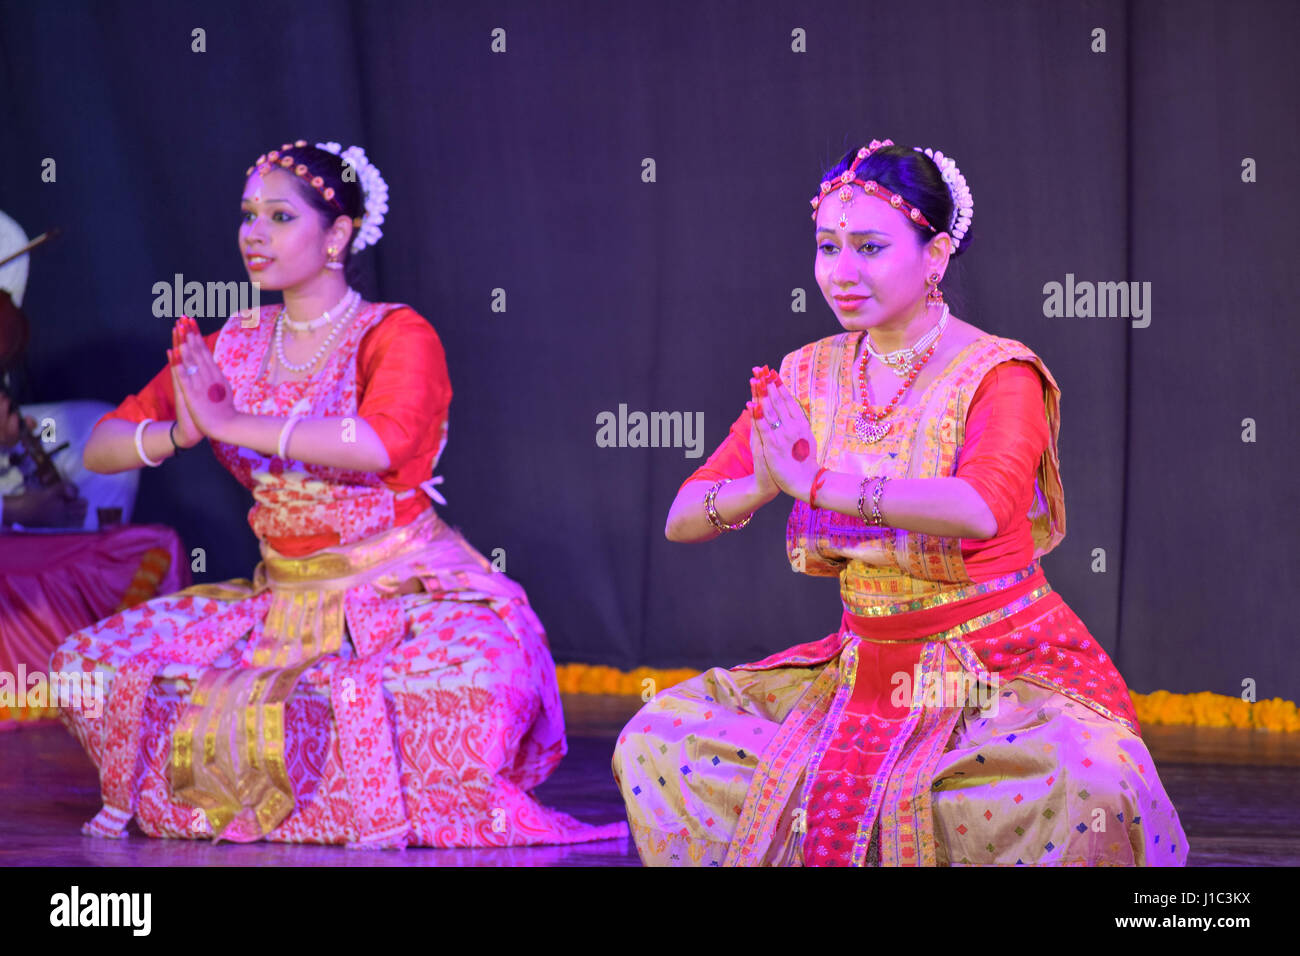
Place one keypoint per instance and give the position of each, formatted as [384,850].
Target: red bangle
[818,480]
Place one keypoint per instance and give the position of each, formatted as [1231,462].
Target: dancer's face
[282,239]
[876,260]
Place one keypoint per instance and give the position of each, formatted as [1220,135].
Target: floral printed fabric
[429,725]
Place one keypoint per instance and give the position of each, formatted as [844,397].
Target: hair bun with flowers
[963,206]
[373,189]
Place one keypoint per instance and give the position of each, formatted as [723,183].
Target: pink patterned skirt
[319,704]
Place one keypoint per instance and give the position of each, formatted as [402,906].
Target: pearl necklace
[320,320]
[899,361]
[343,320]
[870,427]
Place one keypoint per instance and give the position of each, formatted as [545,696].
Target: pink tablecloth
[52,584]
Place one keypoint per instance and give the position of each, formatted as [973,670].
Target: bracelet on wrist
[818,480]
[876,518]
[139,444]
[282,448]
[710,508]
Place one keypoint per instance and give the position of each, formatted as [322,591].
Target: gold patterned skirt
[825,763]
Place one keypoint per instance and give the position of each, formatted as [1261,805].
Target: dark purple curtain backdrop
[521,171]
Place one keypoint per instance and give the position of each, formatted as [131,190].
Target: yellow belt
[305,619]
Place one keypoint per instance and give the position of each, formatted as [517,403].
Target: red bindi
[800,449]
[217,392]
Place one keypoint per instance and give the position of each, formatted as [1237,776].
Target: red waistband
[925,623]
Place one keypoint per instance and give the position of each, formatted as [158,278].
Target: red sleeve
[732,459]
[405,389]
[156,400]
[1006,436]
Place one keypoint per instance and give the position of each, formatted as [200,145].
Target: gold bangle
[877,518]
[710,508]
[862,499]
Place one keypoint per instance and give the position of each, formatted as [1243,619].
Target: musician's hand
[8,422]
[58,506]
[10,428]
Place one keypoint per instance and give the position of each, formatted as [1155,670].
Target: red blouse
[403,394]
[1006,436]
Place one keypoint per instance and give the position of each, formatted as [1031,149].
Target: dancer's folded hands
[786,449]
[204,399]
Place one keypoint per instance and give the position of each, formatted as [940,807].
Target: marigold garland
[26,714]
[1202,709]
[148,575]
[1216,710]
[597,679]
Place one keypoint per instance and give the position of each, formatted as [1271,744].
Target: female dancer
[962,714]
[376,683]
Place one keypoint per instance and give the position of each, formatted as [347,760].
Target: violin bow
[43,237]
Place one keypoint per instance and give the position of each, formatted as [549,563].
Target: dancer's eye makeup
[285,217]
[829,245]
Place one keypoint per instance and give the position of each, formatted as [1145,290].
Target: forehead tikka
[963,205]
[848,179]
[282,159]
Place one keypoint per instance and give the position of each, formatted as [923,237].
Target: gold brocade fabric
[228,748]
[1040,779]
[240,776]
[924,441]
[870,589]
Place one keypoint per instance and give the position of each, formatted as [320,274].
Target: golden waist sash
[949,613]
[306,617]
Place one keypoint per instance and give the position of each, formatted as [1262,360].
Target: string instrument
[36,465]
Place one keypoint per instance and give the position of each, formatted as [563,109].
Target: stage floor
[1235,791]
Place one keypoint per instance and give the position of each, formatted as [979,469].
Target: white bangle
[139,444]
[284,436]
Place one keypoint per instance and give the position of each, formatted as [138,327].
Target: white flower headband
[963,206]
[374,190]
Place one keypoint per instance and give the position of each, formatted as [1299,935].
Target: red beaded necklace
[869,425]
